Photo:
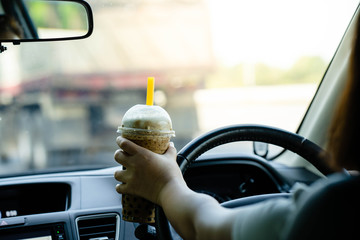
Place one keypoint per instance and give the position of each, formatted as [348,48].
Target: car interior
[49,189]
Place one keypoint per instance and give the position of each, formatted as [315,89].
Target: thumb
[171,151]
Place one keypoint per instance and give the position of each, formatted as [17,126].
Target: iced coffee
[147,126]
[150,127]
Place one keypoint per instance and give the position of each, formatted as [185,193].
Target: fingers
[121,157]
[120,175]
[129,152]
[143,167]
[121,188]
[128,146]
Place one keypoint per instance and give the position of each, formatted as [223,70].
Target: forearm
[194,215]
[159,179]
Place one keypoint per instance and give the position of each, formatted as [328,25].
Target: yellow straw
[150,91]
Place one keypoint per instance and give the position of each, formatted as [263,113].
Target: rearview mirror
[44,20]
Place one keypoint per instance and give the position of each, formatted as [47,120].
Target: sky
[248,31]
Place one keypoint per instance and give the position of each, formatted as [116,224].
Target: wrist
[172,190]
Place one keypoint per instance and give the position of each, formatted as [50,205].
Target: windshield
[215,63]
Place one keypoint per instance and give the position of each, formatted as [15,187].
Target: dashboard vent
[102,226]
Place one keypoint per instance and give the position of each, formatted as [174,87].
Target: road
[279,106]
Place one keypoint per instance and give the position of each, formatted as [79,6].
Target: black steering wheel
[259,133]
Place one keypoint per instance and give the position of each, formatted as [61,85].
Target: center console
[41,232]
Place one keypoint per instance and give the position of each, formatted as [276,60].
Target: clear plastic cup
[151,128]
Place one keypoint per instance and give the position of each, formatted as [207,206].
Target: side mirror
[44,20]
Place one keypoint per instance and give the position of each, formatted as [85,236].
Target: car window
[215,63]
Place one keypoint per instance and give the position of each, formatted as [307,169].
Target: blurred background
[215,63]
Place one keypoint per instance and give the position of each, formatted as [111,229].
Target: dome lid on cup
[147,118]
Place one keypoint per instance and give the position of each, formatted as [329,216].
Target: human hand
[147,173]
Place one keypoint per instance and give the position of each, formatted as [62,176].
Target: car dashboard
[84,204]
